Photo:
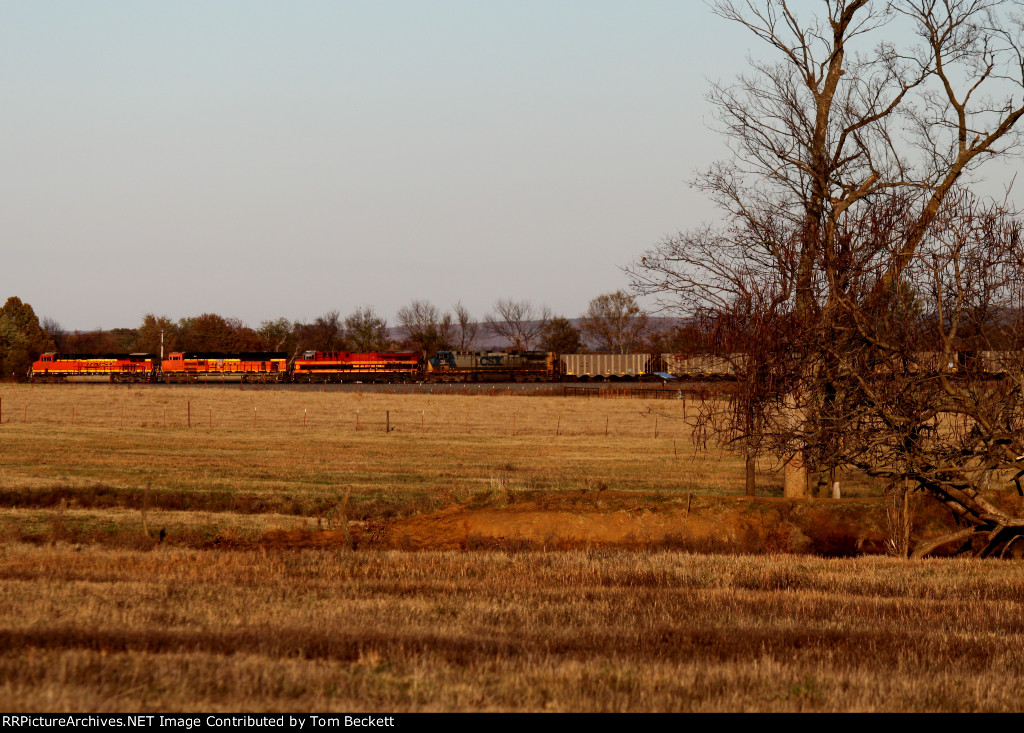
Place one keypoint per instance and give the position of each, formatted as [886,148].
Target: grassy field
[98,629]
[100,612]
[247,452]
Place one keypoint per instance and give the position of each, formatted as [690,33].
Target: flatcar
[347,366]
[493,366]
[54,367]
[189,366]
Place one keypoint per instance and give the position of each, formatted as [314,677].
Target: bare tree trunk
[751,484]
[794,483]
[907,520]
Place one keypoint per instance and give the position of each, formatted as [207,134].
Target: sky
[263,159]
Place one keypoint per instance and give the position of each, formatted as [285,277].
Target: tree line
[613,322]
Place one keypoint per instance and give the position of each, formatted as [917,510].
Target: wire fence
[609,413]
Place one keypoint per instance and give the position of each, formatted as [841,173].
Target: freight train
[445,366]
[318,367]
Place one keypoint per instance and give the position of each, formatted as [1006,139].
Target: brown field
[441,448]
[211,567]
[95,629]
[248,450]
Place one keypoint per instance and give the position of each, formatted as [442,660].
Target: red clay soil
[591,519]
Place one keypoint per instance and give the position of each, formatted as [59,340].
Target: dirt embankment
[611,519]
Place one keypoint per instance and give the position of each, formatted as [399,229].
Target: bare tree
[366,331]
[52,326]
[924,386]
[840,134]
[426,328]
[56,332]
[843,115]
[615,323]
[328,331]
[325,333]
[518,322]
[467,326]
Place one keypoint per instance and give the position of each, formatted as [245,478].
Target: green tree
[207,332]
[275,335]
[154,331]
[560,336]
[22,339]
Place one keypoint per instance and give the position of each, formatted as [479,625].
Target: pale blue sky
[262,159]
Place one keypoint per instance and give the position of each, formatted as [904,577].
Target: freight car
[493,366]
[346,366]
[999,362]
[54,367]
[701,366]
[598,367]
[190,366]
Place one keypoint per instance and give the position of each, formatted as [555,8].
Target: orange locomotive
[187,366]
[347,366]
[54,367]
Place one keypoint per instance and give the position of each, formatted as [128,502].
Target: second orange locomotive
[184,366]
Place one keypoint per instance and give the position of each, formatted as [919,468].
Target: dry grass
[98,613]
[93,629]
[442,449]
